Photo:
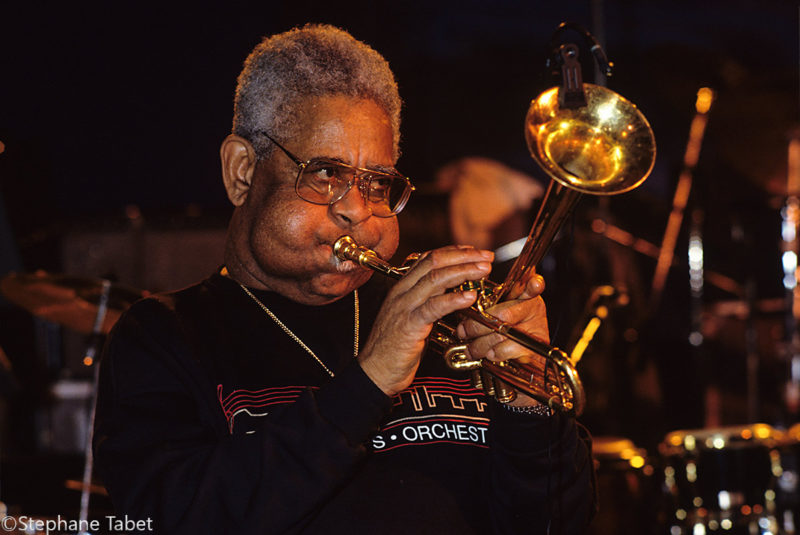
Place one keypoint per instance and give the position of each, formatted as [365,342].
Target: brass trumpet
[589,140]
[553,380]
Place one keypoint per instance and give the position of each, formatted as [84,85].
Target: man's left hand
[526,313]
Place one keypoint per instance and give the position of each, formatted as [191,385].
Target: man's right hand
[391,354]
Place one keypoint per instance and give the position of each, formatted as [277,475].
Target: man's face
[290,240]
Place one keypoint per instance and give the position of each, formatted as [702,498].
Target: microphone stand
[790,226]
[705,97]
[89,360]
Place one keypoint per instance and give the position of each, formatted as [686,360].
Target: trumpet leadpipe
[346,248]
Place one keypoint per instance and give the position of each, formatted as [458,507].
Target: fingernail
[484,266]
[490,354]
[488,255]
[460,331]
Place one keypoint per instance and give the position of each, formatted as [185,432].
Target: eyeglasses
[323,181]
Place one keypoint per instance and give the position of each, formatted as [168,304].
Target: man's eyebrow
[388,169]
[333,159]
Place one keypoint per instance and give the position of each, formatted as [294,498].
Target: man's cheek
[286,227]
[390,239]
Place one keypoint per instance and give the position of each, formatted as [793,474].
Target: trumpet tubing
[548,376]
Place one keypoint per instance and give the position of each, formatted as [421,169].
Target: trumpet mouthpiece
[346,248]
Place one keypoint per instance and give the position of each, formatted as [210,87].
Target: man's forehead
[340,111]
[352,130]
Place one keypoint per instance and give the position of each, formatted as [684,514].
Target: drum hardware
[623,449]
[94,488]
[788,481]
[88,360]
[627,488]
[723,478]
[790,245]
[705,97]
[88,306]
[601,300]
[640,245]
[69,301]
[589,140]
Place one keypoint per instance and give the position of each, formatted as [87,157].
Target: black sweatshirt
[211,419]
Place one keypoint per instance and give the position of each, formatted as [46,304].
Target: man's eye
[323,173]
[326,173]
[380,184]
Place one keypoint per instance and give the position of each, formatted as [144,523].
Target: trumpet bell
[603,148]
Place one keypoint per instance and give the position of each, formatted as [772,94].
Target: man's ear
[238,167]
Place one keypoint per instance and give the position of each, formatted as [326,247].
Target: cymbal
[67,300]
[740,309]
[94,488]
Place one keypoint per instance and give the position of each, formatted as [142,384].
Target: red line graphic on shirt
[428,392]
[435,410]
[254,403]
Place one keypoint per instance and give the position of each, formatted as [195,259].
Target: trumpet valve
[477,379]
[487,383]
[457,359]
[503,392]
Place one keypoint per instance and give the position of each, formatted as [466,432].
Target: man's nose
[352,209]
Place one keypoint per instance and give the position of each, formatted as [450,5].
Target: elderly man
[286,393]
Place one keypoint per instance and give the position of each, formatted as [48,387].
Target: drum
[722,479]
[788,481]
[627,488]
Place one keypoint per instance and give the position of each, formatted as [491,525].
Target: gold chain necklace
[293,336]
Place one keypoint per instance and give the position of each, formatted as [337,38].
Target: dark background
[102,108]
[115,110]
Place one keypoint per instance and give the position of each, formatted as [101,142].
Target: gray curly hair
[315,60]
